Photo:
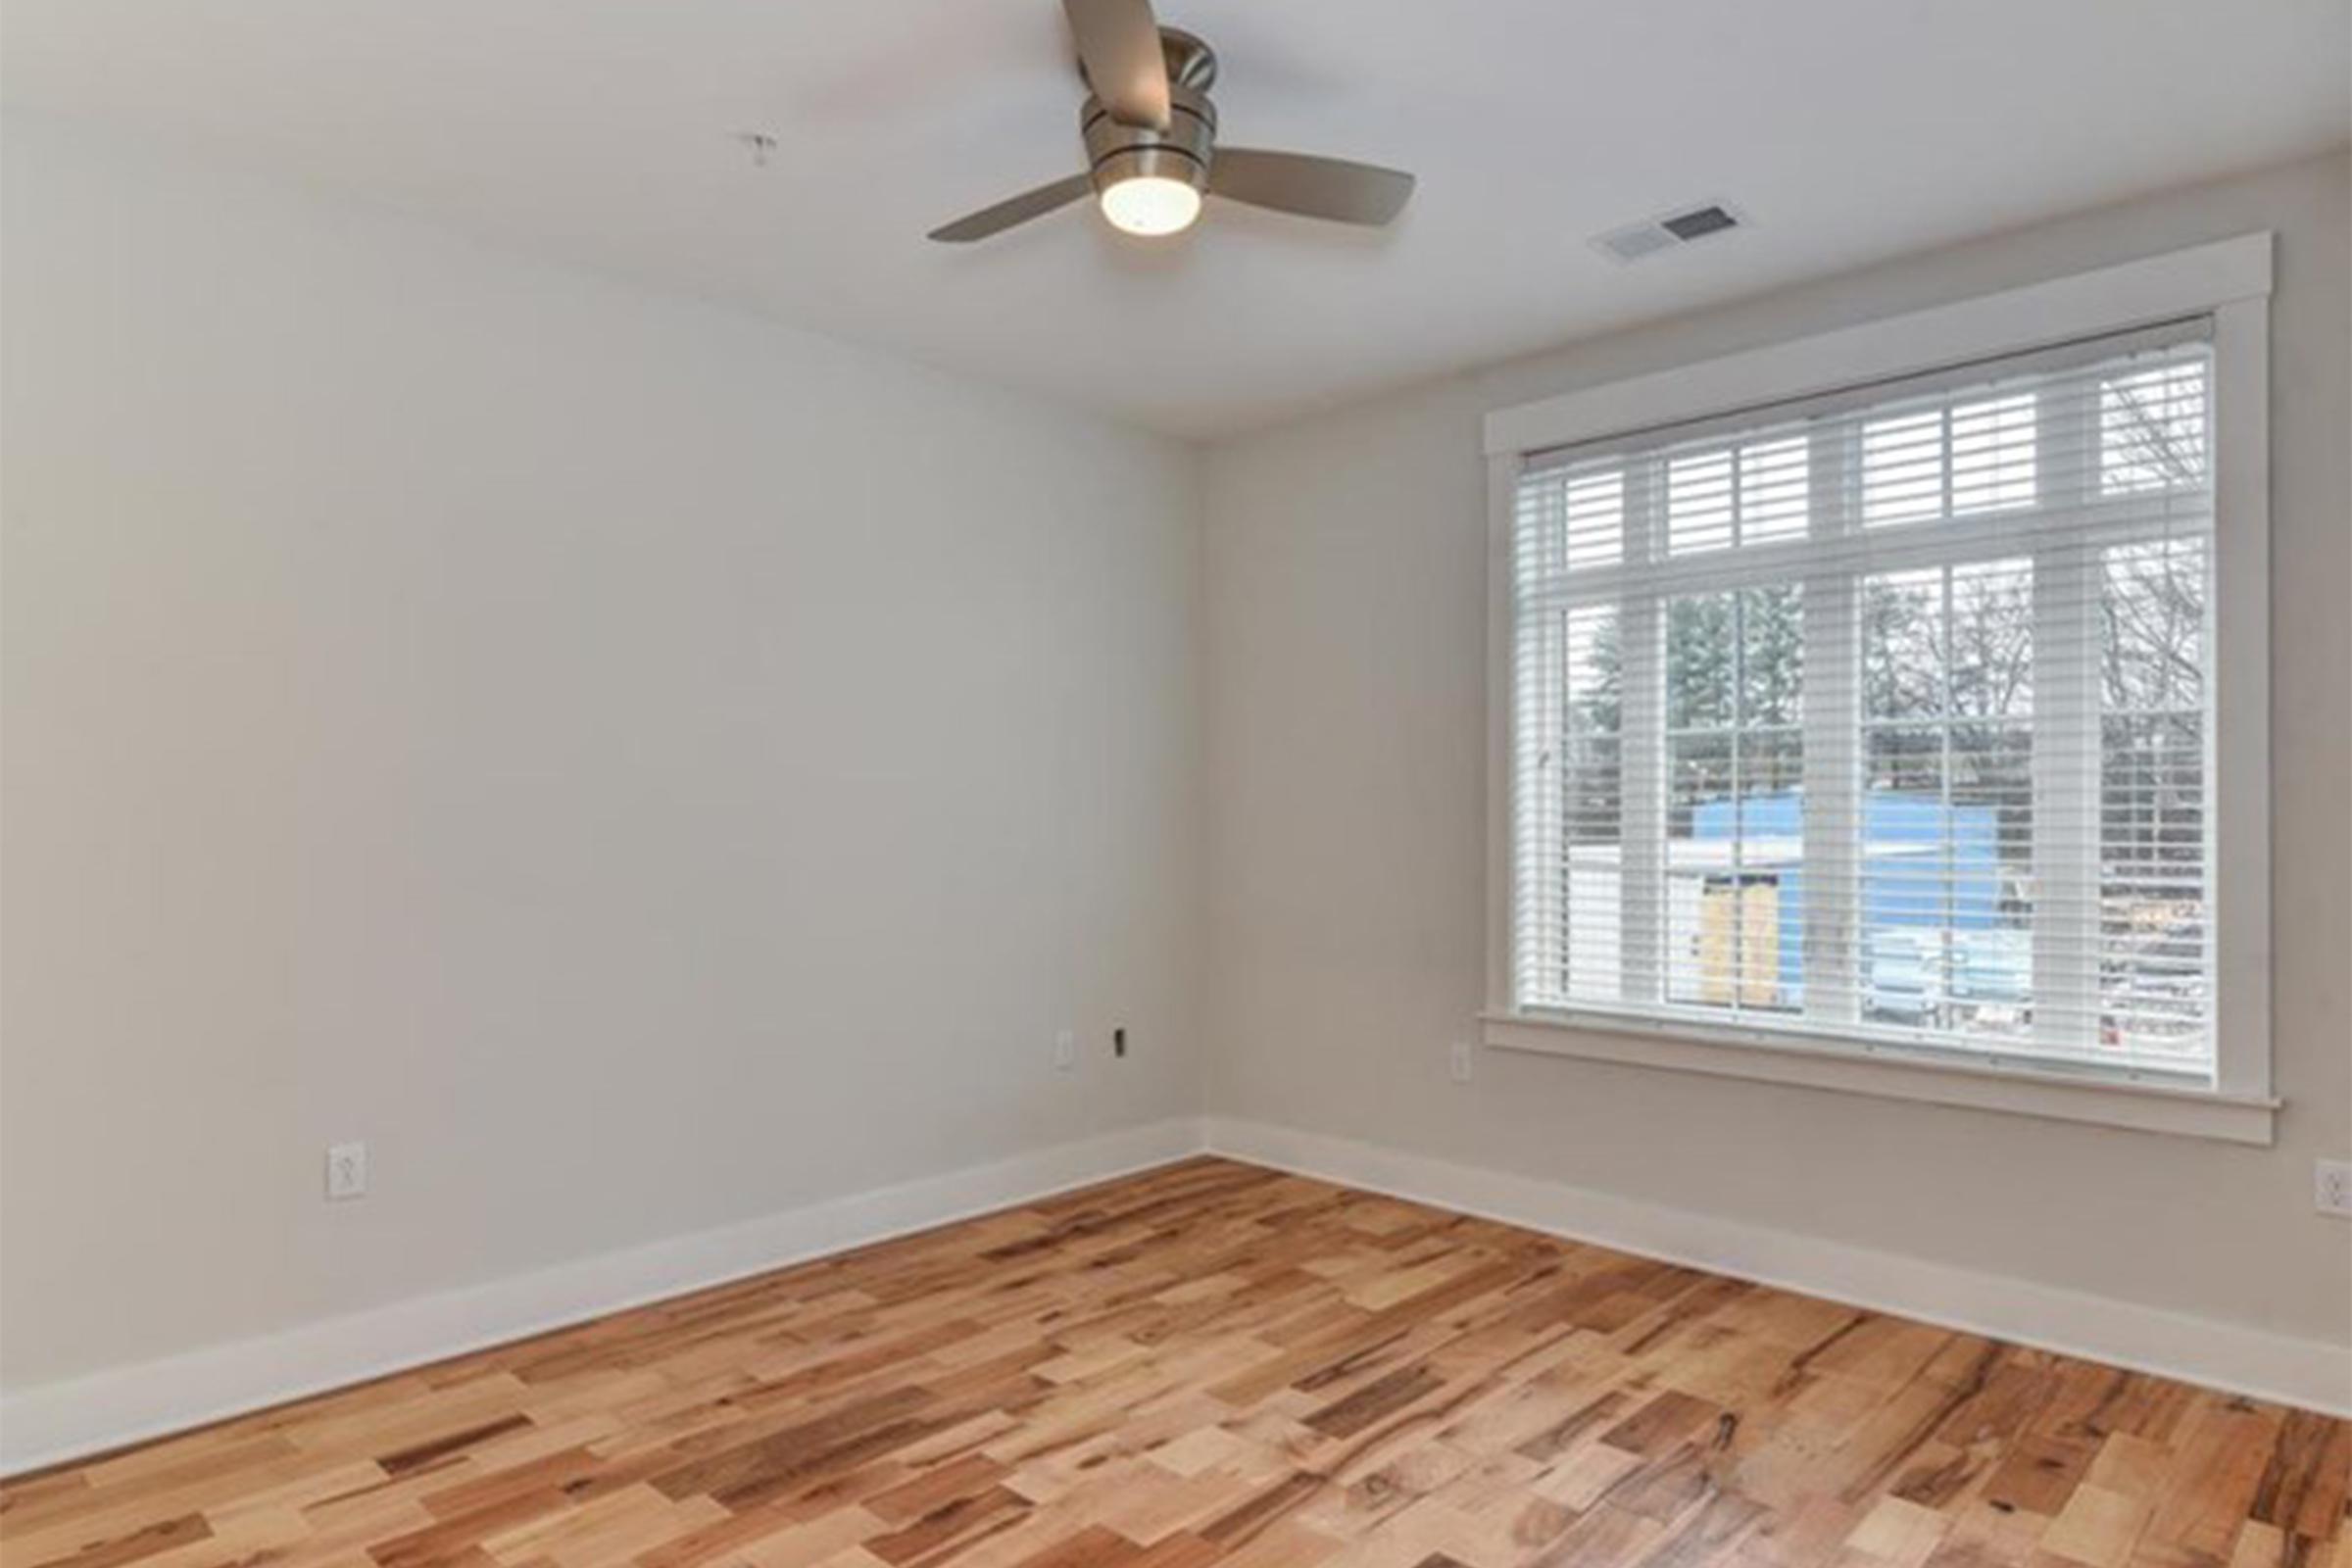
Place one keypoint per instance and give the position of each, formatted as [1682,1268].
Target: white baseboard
[54,1421]
[2312,1373]
[62,1420]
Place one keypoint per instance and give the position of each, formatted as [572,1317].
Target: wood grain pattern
[1214,1364]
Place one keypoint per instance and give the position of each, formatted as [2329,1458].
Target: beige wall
[642,768]
[638,766]
[1344,645]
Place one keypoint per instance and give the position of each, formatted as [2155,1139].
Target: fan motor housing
[1116,151]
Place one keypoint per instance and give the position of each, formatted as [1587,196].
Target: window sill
[1817,1063]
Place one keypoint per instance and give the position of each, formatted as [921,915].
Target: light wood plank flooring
[1218,1364]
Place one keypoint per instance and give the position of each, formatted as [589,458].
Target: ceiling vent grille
[1687,226]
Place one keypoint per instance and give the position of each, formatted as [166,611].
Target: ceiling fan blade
[1310,186]
[1118,44]
[1012,210]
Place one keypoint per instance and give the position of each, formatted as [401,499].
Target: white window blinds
[1884,716]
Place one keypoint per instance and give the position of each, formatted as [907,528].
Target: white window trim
[2229,280]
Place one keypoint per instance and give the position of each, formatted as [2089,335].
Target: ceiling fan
[1151,148]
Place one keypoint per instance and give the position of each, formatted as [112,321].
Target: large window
[1883,719]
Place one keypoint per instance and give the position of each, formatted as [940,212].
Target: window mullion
[1641,883]
[1832,739]
[2066,749]
[1538,923]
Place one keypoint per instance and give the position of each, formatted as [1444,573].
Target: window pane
[1771,656]
[1991,631]
[1594,680]
[1755,492]
[2155,973]
[1947,808]
[1591,804]
[1776,486]
[2152,625]
[1698,775]
[1772,769]
[1703,910]
[1594,530]
[1993,453]
[1698,503]
[1989,964]
[1903,872]
[1700,649]
[2153,969]
[2152,429]
[1903,468]
[1735,902]
[1902,645]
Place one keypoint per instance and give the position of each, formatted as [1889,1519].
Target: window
[1887,724]
[1920,741]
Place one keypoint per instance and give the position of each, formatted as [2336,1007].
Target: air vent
[1672,231]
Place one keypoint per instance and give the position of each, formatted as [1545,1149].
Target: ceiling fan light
[1151,205]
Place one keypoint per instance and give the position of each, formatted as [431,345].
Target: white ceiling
[600,130]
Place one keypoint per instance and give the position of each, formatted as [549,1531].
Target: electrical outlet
[1460,1062]
[1065,1051]
[2331,1187]
[346,1171]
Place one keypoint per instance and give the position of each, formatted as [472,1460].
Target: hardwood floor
[1217,1365]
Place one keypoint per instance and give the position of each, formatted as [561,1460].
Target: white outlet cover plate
[2331,1187]
[1065,1051]
[346,1171]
